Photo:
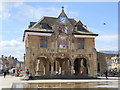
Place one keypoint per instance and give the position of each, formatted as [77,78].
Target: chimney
[15,58]
[12,57]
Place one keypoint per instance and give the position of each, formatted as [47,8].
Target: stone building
[101,62]
[4,63]
[60,45]
[113,62]
[7,63]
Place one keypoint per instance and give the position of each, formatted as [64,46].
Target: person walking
[27,75]
[106,74]
[4,73]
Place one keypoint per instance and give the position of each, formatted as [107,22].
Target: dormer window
[44,26]
[79,28]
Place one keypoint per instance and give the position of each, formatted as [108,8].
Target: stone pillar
[56,67]
[66,67]
[44,71]
[95,64]
[47,68]
[72,68]
[69,67]
[38,67]
[62,69]
[88,67]
[52,68]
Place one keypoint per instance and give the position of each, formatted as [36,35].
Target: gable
[60,25]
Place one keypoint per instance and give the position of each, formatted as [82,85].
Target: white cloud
[107,48]
[11,43]
[0,37]
[27,11]
[12,47]
[108,38]
[37,12]
[107,42]
[5,8]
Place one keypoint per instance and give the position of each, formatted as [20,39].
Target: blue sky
[15,17]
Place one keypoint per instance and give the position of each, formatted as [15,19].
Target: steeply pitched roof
[78,27]
[79,23]
[31,24]
[84,33]
[51,20]
[62,13]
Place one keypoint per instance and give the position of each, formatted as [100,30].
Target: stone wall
[34,52]
[101,59]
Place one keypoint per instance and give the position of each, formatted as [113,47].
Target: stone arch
[81,56]
[62,66]
[67,66]
[41,64]
[81,65]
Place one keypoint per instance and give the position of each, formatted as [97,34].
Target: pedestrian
[4,73]
[81,72]
[106,74]
[13,71]
[27,75]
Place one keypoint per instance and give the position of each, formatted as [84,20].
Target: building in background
[101,62]
[7,63]
[113,62]
[61,45]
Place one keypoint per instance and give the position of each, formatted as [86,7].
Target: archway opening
[62,66]
[42,66]
[80,66]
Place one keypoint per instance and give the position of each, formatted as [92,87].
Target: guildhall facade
[60,45]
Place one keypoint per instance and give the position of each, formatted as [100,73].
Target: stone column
[38,67]
[66,67]
[47,68]
[58,67]
[62,69]
[72,68]
[52,68]
[44,71]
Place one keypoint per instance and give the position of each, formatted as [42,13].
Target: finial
[62,7]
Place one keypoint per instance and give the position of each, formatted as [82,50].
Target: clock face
[62,20]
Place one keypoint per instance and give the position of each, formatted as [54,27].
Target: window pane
[80,43]
[43,42]
[44,25]
[79,28]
